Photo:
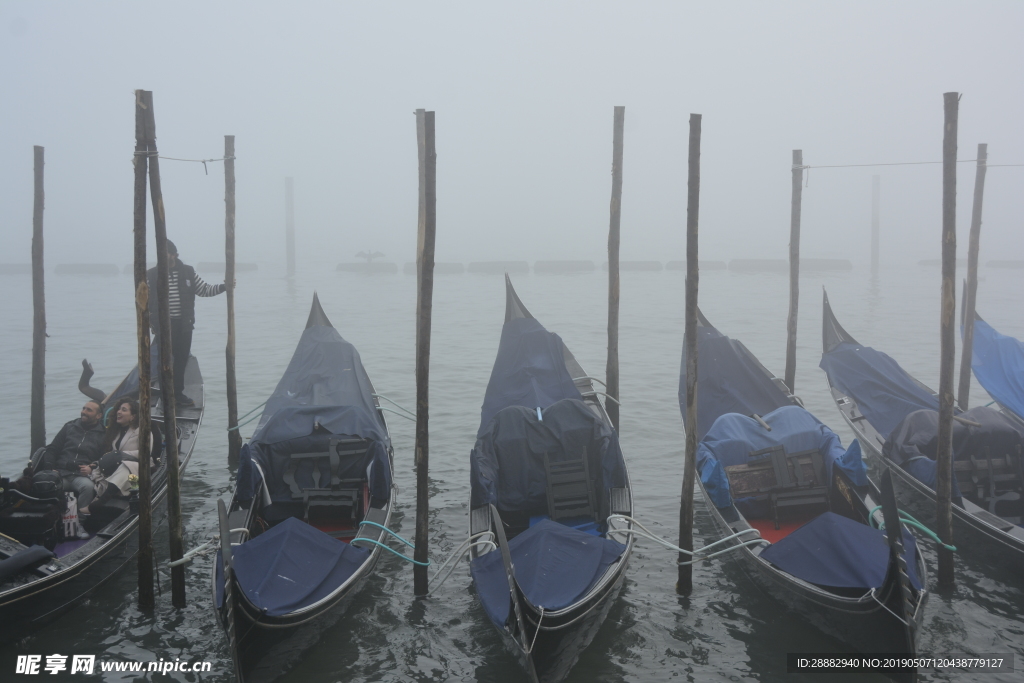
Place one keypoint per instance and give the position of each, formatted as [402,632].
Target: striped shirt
[174,298]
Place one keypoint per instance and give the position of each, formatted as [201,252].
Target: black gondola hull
[861,624]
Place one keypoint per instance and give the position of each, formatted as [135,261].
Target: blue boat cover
[731,381]
[884,392]
[554,565]
[998,363]
[507,462]
[292,566]
[324,391]
[528,371]
[836,552]
[733,437]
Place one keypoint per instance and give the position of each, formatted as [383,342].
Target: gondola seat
[313,478]
[569,489]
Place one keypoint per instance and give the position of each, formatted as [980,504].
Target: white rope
[459,553]
[698,556]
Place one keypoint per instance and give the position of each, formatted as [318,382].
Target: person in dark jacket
[77,445]
[183,288]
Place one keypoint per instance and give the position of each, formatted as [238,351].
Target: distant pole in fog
[971,294]
[289,223]
[876,192]
[947,348]
[38,415]
[234,438]
[612,368]
[794,268]
[684,580]
[424,296]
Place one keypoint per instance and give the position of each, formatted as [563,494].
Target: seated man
[77,444]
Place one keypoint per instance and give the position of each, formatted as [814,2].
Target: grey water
[725,631]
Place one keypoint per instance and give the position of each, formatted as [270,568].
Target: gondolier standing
[183,288]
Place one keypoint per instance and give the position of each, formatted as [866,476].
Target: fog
[523,94]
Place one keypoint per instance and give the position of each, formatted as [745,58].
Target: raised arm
[206,289]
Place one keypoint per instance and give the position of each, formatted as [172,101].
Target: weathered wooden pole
[167,403]
[234,438]
[289,223]
[612,369]
[970,298]
[38,419]
[142,146]
[876,195]
[684,582]
[944,455]
[424,296]
[794,268]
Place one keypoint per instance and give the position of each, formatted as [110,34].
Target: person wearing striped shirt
[184,285]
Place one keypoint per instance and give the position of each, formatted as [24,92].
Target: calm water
[726,630]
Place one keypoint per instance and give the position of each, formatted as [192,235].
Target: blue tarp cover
[293,565]
[837,552]
[731,381]
[528,371]
[507,463]
[884,392]
[733,437]
[325,388]
[554,566]
[998,363]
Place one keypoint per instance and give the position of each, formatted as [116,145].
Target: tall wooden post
[289,223]
[38,419]
[944,455]
[876,194]
[424,296]
[612,369]
[973,246]
[177,544]
[234,438]
[794,268]
[684,582]
[143,139]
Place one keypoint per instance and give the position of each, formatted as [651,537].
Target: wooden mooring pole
[167,402]
[289,224]
[944,455]
[234,438]
[876,198]
[970,297]
[38,419]
[424,296]
[145,557]
[794,268]
[612,368]
[684,582]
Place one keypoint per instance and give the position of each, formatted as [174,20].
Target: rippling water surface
[725,631]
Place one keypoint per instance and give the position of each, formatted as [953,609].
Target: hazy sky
[523,93]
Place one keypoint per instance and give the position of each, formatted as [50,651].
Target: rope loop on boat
[698,556]
[387,547]
[909,520]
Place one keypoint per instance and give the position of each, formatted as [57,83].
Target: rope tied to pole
[155,154]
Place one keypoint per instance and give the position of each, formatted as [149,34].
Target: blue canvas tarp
[731,381]
[324,391]
[528,371]
[555,566]
[884,392]
[733,437]
[998,363]
[507,462]
[837,552]
[293,565]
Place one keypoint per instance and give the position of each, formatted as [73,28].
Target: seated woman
[121,460]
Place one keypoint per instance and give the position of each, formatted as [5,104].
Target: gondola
[305,524]
[799,507]
[895,418]
[998,362]
[42,574]
[546,474]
